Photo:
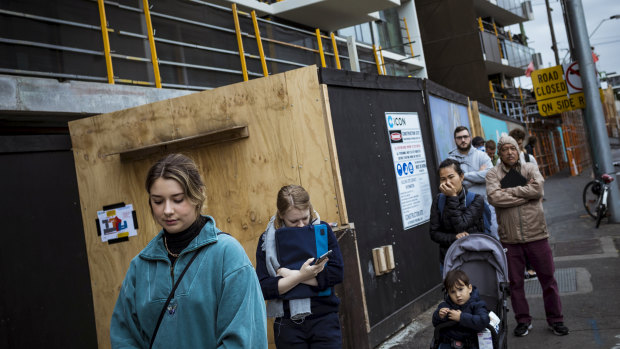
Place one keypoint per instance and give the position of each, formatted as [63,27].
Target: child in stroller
[483,260]
[463,305]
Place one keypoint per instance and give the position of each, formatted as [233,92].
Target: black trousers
[320,332]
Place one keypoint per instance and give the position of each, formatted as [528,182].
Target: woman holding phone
[305,322]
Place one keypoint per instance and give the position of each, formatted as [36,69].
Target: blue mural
[446,116]
[493,128]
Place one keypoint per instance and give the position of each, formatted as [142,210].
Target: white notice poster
[414,189]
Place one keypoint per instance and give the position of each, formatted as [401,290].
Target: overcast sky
[606,39]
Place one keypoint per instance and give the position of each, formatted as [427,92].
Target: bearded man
[475,164]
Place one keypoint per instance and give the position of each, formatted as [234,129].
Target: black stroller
[483,259]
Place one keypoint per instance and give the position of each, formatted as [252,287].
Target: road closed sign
[561,104]
[558,89]
[549,83]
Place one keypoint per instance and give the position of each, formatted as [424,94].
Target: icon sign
[399,169]
[390,121]
[410,165]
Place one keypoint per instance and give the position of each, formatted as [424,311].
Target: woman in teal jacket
[218,303]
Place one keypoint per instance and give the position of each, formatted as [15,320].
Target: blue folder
[294,246]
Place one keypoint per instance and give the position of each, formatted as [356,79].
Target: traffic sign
[561,104]
[549,83]
[573,78]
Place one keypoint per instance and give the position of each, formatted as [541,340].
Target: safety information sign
[116,223]
[414,190]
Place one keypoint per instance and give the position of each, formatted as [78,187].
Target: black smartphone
[322,258]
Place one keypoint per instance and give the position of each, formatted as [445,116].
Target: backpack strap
[469,198]
[527,157]
[171,295]
[441,203]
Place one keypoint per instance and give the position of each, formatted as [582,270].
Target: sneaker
[522,329]
[558,329]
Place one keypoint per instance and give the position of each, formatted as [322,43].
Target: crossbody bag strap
[171,295]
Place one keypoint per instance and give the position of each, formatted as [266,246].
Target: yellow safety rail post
[382,61]
[335,51]
[149,27]
[492,94]
[408,36]
[501,53]
[240,42]
[259,43]
[106,42]
[320,43]
[374,53]
[480,24]
[509,36]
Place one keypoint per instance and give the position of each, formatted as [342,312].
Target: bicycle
[595,197]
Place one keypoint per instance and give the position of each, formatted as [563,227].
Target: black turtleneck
[179,241]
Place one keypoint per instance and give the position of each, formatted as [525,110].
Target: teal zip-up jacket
[218,304]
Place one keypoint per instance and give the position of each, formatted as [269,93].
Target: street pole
[594,117]
[554,46]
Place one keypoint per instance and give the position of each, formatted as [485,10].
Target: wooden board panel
[242,177]
[308,127]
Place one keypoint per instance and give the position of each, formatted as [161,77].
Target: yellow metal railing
[259,43]
[335,49]
[320,45]
[149,15]
[408,36]
[106,41]
[244,68]
[149,26]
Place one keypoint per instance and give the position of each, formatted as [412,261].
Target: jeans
[539,255]
[321,332]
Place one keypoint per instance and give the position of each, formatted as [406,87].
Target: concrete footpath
[587,269]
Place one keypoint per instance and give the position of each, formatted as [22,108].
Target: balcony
[505,12]
[195,46]
[327,15]
[504,56]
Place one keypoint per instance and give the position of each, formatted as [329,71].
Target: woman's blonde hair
[182,169]
[292,196]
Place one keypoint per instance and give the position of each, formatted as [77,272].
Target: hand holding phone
[323,257]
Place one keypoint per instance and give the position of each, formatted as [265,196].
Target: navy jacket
[456,218]
[474,317]
[331,275]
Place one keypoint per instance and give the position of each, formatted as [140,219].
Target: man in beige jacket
[523,232]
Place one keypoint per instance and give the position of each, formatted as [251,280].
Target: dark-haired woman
[453,215]
[218,302]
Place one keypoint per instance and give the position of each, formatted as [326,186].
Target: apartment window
[390,35]
[361,33]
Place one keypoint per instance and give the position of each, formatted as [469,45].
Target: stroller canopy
[474,249]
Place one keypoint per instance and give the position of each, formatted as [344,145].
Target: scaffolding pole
[106,42]
[240,42]
[320,45]
[374,53]
[149,28]
[408,36]
[335,51]
[259,43]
